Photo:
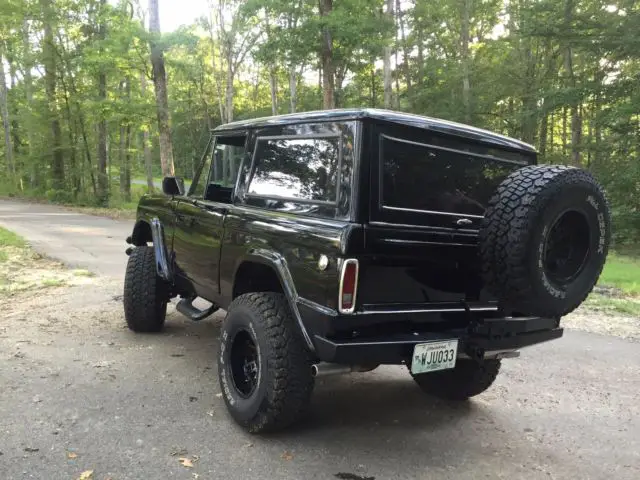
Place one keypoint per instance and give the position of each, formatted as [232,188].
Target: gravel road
[80,392]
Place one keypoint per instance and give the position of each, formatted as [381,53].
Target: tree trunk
[273,84]
[405,51]
[35,176]
[125,145]
[326,58]
[148,164]
[464,40]
[103,179]
[544,125]
[4,112]
[13,110]
[293,88]
[564,131]
[386,63]
[229,89]
[160,85]
[576,123]
[50,73]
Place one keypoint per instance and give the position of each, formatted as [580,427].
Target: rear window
[297,168]
[421,177]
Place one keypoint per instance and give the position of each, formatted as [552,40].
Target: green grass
[83,273]
[53,282]
[10,239]
[627,306]
[623,273]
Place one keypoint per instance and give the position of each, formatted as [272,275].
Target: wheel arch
[264,270]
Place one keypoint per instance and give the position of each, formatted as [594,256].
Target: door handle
[220,210]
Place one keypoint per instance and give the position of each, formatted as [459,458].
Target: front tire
[468,379]
[145,293]
[264,367]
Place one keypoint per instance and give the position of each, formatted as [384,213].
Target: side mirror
[173,186]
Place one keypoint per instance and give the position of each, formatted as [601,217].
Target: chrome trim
[455,150]
[355,287]
[424,242]
[429,310]
[316,306]
[436,212]
[160,251]
[426,228]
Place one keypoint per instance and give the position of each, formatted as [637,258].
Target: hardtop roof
[400,118]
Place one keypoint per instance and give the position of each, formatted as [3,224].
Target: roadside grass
[618,290]
[10,239]
[22,269]
[623,273]
[605,304]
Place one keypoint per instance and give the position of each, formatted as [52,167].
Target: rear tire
[145,293]
[264,366]
[468,379]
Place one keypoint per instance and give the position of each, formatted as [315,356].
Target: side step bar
[185,307]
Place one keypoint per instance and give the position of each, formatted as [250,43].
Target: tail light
[348,286]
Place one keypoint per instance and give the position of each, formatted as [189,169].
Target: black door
[200,216]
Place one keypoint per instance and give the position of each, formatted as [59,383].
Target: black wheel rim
[567,248]
[245,363]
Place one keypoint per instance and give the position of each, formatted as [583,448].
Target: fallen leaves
[288,456]
[185,462]
[86,475]
[72,455]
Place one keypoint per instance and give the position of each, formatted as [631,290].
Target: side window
[420,177]
[299,168]
[227,157]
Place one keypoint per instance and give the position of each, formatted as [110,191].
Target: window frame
[213,144]
[304,201]
[428,146]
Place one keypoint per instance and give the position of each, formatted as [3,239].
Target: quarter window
[304,169]
[423,177]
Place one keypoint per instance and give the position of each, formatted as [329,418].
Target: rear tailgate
[428,197]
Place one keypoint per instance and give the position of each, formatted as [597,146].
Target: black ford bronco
[341,240]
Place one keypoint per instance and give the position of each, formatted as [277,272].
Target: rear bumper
[492,335]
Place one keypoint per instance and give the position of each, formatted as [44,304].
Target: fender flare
[279,264]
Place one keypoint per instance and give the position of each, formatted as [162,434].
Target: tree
[4,113]
[50,74]
[160,86]
[326,56]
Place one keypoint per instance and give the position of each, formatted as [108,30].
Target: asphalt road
[80,392]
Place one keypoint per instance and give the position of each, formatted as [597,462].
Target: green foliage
[561,75]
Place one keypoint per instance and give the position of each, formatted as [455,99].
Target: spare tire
[544,239]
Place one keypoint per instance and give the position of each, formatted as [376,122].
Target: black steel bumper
[490,335]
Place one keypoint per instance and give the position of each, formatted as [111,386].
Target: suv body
[365,221]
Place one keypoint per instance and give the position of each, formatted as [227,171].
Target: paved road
[78,382]
[81,241]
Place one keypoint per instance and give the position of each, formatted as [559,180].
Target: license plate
[433,356]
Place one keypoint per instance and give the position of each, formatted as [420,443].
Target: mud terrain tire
[264,367]
[544,239]
[145,293]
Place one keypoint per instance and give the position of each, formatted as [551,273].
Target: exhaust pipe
[325,369]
